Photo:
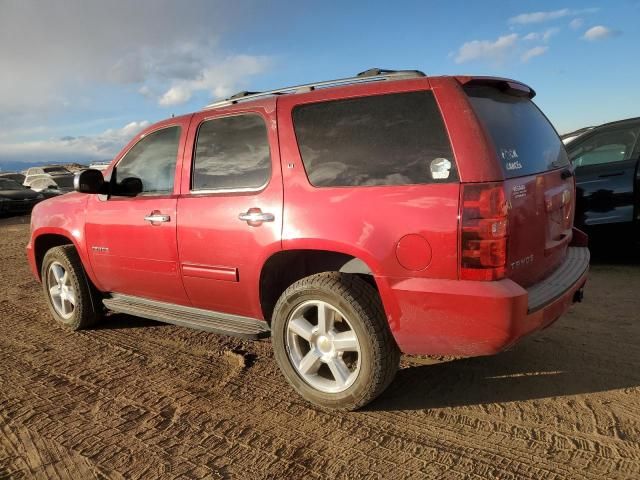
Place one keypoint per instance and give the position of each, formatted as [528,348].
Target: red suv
[351,220]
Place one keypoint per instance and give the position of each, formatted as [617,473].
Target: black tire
[360,303]
[86,311]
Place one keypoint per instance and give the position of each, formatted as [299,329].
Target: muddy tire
[332,341]
[71,297]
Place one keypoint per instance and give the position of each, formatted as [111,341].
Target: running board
[215,322]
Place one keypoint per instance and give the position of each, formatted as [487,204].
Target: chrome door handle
[157,217]
[255,217]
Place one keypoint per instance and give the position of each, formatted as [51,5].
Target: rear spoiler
[506,85]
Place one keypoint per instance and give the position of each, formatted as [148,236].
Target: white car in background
[49,177]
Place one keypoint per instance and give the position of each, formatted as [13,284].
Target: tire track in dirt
[133,399]
[456,420]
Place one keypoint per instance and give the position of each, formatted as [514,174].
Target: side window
[231,153]
[153,161]
[606,147]
[394,139]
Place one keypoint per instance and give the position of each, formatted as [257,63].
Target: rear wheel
[67,289]
[332,341]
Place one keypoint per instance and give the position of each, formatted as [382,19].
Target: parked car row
[19,192]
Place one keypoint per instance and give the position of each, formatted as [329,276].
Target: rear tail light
[484,230]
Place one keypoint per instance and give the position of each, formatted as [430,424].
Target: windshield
[55,170]
[8,184]
[524,140]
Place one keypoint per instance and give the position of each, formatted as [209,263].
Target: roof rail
[371,75]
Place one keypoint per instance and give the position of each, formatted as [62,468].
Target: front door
[132,240]
[605,167]
[230,208]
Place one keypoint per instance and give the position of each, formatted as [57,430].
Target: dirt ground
[134,398]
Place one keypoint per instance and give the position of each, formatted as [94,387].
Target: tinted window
[8,184]
[604,147]
[377,140]
[153,161]
[14,176]
[524,140]
[231,152]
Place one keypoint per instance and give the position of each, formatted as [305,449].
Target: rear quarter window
[393,139]
[525,141]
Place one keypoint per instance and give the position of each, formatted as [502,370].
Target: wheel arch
[45,242]
[46,239]
[285,267]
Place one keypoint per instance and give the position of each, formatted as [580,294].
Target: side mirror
[89,181]
[130,187]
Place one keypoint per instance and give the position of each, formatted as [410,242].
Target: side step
[215,322]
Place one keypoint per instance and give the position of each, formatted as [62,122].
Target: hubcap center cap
[324,344]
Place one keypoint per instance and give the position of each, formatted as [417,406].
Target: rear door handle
[157,217]
[254,217]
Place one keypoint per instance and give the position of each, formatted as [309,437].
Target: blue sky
[88,76]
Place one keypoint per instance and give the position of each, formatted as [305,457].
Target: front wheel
[69,294]
[332,341]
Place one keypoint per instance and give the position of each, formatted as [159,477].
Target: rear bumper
[471,318]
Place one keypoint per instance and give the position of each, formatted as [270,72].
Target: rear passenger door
[605,162]
[230,207]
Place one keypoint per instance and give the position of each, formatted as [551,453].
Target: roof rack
[371,75]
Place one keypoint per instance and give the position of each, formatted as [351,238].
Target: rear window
[524,140]
[395,139]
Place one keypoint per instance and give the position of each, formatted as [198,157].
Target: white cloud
[72,55]
[68,149]
[538,17]
[174,96]
[544,36]
[599,32]
[576,23]
[223,78]
[533,52]
[496,51]
[546,16]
